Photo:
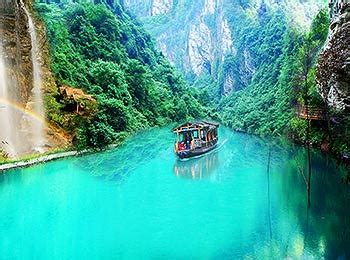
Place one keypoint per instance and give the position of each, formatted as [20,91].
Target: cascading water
[6,140]
[37,125]
[22,114]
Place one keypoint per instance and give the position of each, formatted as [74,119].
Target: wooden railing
[311,112]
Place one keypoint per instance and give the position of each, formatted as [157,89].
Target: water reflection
[198,168]
[323,226]
[116,165]
[251,207]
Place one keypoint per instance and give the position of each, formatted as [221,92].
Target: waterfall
[38,126]
[22,117]
[6,140]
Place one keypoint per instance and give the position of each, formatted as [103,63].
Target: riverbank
[27,162]
[38,160]
[51,156]
[34,160]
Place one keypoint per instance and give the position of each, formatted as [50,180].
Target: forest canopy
[100,49]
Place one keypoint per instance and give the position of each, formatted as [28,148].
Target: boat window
[203,135]
[195,134]
[185,136]
[181,137]
[188,136]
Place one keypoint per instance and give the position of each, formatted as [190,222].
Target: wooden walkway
[311,112]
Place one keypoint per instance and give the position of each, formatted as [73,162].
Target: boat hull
[196,152]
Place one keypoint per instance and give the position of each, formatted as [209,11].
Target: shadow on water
[325,224]
[197,168]
[290,228]
[328,216]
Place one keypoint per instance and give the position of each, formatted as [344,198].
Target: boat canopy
[197,125]
[195,138]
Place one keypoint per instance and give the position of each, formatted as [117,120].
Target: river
[139,202]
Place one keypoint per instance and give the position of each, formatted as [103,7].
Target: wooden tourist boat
[195,138]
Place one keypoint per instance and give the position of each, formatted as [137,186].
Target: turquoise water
[140,202]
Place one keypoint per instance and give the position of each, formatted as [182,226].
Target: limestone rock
[206,44]
[199,48]
[229,83]
[17,49]
[161,7]
[199,35]
[226,38]
[333,70]
[248,68]
[210,7]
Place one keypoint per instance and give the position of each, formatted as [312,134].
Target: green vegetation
[267,67]
[103,50]
[305,78]
[327,132]
[100,49]
[267,105]
[285,77]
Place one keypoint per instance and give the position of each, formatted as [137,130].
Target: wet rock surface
[17,57]
[334,64]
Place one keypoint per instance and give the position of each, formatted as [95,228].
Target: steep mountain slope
[204,37]
[98,48]
[333,75]
[334,63]
[23,75]
[285,69]
[245,55]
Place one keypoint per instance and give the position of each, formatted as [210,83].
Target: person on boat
[188,145]
[181,146]
[192,144]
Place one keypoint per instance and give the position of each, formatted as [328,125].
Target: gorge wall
[24,78]
[334,63]
[202,37]
[102,54]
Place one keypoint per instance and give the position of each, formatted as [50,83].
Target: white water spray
[6,140]
[37,126]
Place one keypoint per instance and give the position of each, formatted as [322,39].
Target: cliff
[194,36]
[25,80]
[202,38]
[333,75]
[16,48]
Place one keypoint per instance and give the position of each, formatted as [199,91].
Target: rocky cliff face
[199,36]
[208,41]
[16,45]
[161,7]
[17,57]
[334,64]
